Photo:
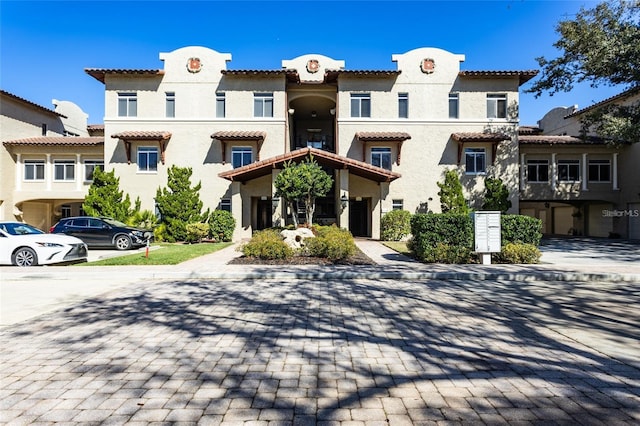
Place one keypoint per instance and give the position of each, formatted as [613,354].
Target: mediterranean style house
[576,183]
[385,136]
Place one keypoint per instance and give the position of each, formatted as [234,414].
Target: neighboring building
[46,160]
[386,136]
[577,184]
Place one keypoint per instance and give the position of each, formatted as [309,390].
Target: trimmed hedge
[518,253]
[520,229]
[330,242]
[395,225]
[221,225]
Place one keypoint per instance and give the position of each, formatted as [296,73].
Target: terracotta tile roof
[479,137]
[291,74]
[558,140]
[331,76]
[143,135]
[523,76]
[264,167]
[95,127]
[382,136]
[58,140]
[529,130]
[24,101]
[612,99]
[239,135]
[99,73]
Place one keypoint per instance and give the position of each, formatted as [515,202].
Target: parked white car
[24,245]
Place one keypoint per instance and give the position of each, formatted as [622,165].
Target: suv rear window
[78,222]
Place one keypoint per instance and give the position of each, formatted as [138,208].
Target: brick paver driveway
[328,352]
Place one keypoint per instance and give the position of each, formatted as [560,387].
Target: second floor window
[537,171]
[225,204]
[360,105]
[90,166]
[263,105]
[397,204]
[599,171]
[453,105]
[475,160]
[568,170]
[147,159]
[381,157]
[127,105]
[241,156]
[403,105]
[34,170]
[497,106]
[170,101]
[64,169]
[45,128]
[220,105]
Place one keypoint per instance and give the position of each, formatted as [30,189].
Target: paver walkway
[352,352]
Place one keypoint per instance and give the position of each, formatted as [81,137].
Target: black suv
[102,232]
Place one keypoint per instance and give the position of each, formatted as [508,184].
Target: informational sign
[487,232]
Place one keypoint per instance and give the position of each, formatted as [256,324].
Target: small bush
[518,253]
[221,226]
[330,242]
[160,233]
[454,232]
[521,229]
[446,253]
[395,225]
[267,244]
[196,232]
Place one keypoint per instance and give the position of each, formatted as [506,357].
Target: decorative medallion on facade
[428,66]
[194,65]
[313,65]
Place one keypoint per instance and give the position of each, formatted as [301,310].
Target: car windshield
[19,229]
[114,222]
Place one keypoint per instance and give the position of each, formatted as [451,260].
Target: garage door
[600,225]
[634,221]
[562,220]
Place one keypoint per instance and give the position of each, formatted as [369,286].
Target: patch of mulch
[357,259]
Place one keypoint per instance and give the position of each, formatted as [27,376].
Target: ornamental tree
[179,204]
[599,46]
[496,196]
[451,197]
[302,182]
[106,199]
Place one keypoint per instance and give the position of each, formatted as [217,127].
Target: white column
[614,171]
[523,166]
[78,173]
[553,171]
[19,172]
[242,229]
[585,168]
[48,173]
[277,209]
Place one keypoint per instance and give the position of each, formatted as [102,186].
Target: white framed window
[147,159]
[381,157]
[599,171]
[360,105]
[241,156]
[397,204]
[33,169]
[403,105]
[170,104]
[263,104]
[64,170]
[454,105]
[45,128]
[537,171]
[568,170]
[220,105]
[65,210]
[127,105]
[475,161]
[225,204]
[496,106]
[90,166]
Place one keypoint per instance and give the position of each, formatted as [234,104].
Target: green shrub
[330,242]
[445,253]
[221,226]
[518,253]
[520,229]
[267,244]
[160,233]
[316,247]
[453,231]
[196,232]
[395,225]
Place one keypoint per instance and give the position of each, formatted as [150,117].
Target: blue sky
[46,45]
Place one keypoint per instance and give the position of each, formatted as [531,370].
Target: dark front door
[359,218]
[265,219]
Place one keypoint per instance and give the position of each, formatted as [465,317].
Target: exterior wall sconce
[291,111]
[313,114]
[332,111]
[344,200]
[274,202]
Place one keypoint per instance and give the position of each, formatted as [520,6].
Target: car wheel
[25,256]
[123,242]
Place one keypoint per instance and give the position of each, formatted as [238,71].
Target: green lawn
[399,246]
[162,254]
